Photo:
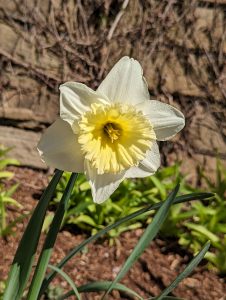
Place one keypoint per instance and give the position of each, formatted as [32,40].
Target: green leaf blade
[100,286]
[68,279]
[22,264]
[148,235]
[190,267]
[50,241]
[77,249]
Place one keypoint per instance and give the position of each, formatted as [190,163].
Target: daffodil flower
[109,134]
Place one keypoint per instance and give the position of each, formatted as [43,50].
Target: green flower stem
[50,241]
[23,260]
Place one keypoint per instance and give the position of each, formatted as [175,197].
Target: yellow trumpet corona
[114,137]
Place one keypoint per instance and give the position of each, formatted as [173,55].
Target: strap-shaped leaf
[22,263]
[50,241]
[190,267]
[148,235]
[77,249]
[100,286]
[69,281]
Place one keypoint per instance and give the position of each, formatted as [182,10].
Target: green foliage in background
[54,292]
[6,194]
[207,221]
[131,196]
[2,288]
[191,223]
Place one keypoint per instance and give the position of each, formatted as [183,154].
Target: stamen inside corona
[111,131]
[114,137]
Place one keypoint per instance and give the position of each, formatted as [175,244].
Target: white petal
[102,186]
[166,119]
[125,83]
[59,148]
[75,99]
[148,166]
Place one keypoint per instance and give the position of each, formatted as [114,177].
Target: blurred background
[181,46]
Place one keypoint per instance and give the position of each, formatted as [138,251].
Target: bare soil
[156,268]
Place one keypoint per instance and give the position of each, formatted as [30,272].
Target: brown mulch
[156,268]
